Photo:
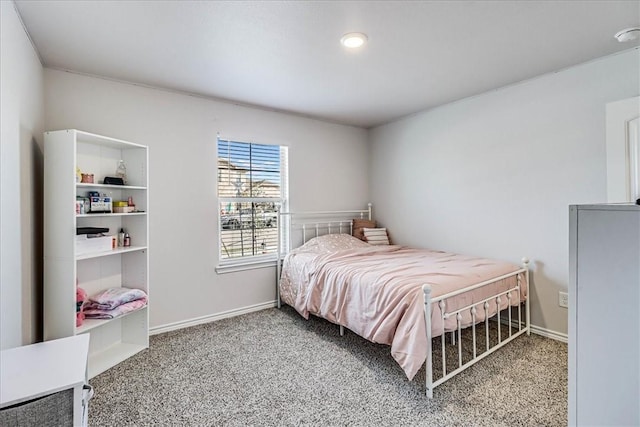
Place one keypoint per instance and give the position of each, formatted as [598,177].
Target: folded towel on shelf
[128,307]
[113,297]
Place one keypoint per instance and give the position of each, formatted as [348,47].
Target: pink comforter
[377,292]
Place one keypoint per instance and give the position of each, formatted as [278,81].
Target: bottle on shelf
[127,239]
[121,171]
[121,237]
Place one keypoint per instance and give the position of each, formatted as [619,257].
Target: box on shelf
[88,245]
[100,204]
[123,209]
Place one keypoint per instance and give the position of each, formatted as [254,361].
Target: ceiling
[286,55]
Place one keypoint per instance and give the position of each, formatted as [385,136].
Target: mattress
[376,291]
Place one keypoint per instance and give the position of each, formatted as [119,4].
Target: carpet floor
[272,367]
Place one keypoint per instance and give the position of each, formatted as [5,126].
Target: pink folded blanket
[113,297]
[93,313]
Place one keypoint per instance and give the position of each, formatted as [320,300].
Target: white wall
[328,170]
[493,175]
[21,125]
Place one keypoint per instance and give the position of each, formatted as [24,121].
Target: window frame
[247,262]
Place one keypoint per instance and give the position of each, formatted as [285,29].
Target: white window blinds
[252,182]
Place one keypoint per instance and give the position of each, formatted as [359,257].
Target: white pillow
[376,236]
[332,243]
[338,242]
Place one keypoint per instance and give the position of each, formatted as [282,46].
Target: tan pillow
[359,225]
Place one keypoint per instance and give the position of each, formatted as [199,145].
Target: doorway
[623,150]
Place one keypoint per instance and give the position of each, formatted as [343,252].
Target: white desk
[38,370]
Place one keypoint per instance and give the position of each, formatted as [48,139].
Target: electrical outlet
[563,299]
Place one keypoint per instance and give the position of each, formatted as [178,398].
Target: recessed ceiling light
[353,40]
[628,34]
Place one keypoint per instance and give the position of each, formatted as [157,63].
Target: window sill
[233,267]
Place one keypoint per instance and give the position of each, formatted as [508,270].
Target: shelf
[104,141]
[111,356]
[90,324]
[95,215]
[111,252]
[111,187]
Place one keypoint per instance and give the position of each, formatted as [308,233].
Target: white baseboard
[210,318]
[558,336]
[263,306]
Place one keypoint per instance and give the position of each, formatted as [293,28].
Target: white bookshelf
[113,340]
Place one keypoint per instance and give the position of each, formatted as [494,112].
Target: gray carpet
[274,368]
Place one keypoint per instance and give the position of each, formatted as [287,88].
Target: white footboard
[522,283]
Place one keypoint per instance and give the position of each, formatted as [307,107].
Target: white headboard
[296,228]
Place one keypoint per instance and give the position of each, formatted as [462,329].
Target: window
[252,182]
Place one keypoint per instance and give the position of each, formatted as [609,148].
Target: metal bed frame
[313,224]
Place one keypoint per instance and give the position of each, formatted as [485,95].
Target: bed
[408,298]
